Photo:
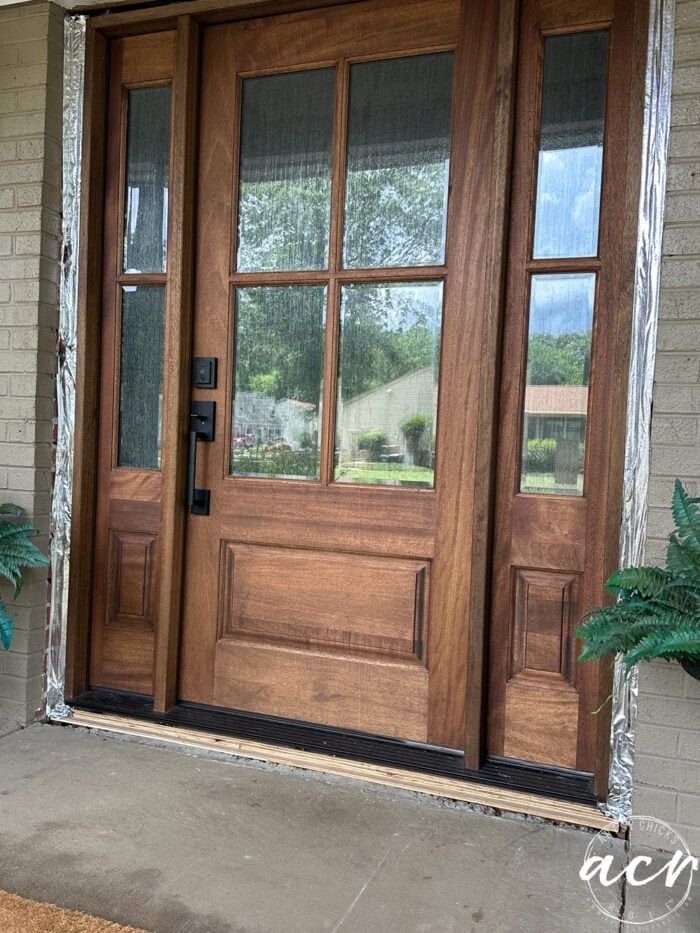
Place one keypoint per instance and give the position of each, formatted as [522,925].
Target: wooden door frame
[187,18]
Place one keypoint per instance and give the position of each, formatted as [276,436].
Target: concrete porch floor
[177,843]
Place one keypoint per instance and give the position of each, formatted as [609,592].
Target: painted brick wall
[667,772]
[31,52]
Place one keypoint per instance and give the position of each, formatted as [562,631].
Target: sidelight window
[566,227]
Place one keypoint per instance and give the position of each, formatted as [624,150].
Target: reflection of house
[556,411]
[387,407]
[273,420]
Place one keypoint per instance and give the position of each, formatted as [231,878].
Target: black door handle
[202,417]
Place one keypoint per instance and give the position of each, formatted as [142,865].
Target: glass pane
[278,381]
[556,392]
[398,161]
[141,377]
[571,145]
[387,384]
[285,171]
[146,189]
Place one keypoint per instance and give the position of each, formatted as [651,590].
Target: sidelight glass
[398,154]
[278,377]
[141,376]
[146,184]
[388,383]
[285,171]
[557,379]
[571,145]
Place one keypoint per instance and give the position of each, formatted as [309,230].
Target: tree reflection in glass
[398,161]
[278,381]
[387,383]
[285,171]
[556,389]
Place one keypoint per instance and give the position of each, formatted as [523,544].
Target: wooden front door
[334,332]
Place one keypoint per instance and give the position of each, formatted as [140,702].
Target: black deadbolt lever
[202,418]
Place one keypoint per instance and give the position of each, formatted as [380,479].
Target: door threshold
[497,798]
[479,792]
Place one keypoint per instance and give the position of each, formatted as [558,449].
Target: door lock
[202,419]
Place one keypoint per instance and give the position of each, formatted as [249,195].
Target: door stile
[485,475]
[87,386]
[458,430]
[177,363]
[335,252]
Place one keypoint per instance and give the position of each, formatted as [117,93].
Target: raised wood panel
[545,612]
[319,598]
[541,724]
[299,684]
[130,578]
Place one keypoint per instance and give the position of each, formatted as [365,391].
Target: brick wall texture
[667,772]
[31,53]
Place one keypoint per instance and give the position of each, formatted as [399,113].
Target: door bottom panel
[560,783]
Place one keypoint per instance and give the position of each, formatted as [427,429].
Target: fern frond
[6,626]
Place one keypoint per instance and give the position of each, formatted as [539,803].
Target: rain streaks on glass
[285,171]
[556,387]
[387,383]
[398,161]
[146,184]
[141,377]
[571,145]
[278,378]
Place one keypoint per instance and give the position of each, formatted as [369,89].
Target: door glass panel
[141,377]
[278,381]
[146,188]
[285,171]
[571,145]
[556,390]
[387,383]
[398,161]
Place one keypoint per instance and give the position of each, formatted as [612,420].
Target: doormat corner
[21,915]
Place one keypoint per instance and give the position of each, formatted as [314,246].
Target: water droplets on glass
[141,377]
[285,171]
[398,161]
[278,377]
[146,183]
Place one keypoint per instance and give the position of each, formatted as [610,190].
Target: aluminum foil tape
[657,122]
[73,85]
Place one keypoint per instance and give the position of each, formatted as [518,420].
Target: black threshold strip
[563,784]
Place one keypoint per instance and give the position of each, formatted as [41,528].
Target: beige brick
[650,801]
[689,809]
[689,747]
[662,711]
[683,176]
[683,207]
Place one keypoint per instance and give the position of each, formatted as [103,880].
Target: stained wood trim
[87,374]
[177,363]
[498,798]
[456,659]
[484,484]
[154,16]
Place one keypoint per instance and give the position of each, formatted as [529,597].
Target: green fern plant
[16,553]
[657,613]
